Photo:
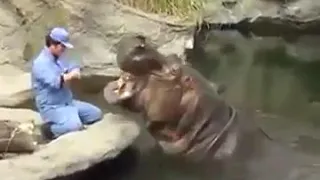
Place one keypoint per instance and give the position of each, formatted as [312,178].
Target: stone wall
[96,28]
[266,17]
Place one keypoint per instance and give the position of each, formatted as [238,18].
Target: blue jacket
[47,87]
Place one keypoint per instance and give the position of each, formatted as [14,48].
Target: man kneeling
[51,77]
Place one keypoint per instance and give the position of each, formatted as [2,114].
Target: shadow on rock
[114,169]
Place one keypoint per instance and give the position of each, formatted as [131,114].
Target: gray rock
[96,28]
[264,16]
[15,86]
[20,115]
[74,151]
[18,127]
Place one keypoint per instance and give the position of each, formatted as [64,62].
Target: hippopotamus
[182,110]
[186,115]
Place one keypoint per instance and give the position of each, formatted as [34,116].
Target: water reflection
[268,79]
[281,89]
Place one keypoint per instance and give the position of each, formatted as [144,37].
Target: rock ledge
[73,152]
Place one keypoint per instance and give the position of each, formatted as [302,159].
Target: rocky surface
[71,153]
[15,86]
[18,130]
[20,115]
[266,17]
[96,28]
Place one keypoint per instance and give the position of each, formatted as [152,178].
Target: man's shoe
[46,131]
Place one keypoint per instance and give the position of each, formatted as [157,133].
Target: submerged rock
[74,151]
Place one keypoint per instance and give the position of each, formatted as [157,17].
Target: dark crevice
[115,169]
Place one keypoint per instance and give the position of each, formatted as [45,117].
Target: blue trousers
[68,118]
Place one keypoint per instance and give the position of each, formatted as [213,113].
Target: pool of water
[276,86]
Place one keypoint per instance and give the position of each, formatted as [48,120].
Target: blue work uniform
[54,100]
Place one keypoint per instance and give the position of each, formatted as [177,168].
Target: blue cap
[61,35]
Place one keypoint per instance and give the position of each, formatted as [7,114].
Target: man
[51,78]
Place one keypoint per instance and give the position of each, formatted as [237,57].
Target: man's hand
[74,74]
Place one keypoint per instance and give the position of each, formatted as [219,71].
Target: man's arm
[71,70]
[44,73]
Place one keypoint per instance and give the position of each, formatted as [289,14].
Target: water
[275,85]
